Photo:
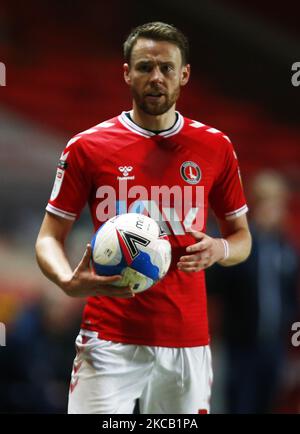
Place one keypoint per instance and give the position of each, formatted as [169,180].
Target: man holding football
[153,346]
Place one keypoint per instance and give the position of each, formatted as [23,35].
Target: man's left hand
[202,254]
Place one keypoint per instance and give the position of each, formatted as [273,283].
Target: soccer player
[152,346]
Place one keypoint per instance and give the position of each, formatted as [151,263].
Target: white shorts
[109,377]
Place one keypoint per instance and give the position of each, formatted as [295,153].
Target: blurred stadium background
[64,74]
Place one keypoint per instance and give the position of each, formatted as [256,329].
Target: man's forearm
[52,260]
[239,244]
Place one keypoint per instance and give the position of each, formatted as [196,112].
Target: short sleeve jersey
[173,176]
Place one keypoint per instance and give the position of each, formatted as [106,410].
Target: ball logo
[129,243]
[190,172]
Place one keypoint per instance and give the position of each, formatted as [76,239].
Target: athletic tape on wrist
[226,248]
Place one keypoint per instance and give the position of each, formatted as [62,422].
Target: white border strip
[133,127]
[176,128]
[237,213]
[65,214]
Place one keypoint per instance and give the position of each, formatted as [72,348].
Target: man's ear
[185,74]
[126,70]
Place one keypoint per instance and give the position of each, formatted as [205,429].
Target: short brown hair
[157,31]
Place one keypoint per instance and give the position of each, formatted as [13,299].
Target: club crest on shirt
[190,172]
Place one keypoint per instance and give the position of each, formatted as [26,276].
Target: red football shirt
[173,176]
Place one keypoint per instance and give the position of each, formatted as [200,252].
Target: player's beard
[156,108]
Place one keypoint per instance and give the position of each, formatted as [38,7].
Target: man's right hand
[84,283]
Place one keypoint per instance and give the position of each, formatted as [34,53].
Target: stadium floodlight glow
[2,74]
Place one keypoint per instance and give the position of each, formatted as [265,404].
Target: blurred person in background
[34,369]
[259,300]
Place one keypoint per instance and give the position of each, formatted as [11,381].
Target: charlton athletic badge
[190,172]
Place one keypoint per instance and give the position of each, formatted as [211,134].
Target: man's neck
[153,123]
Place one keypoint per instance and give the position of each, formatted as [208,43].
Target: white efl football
[134,246]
